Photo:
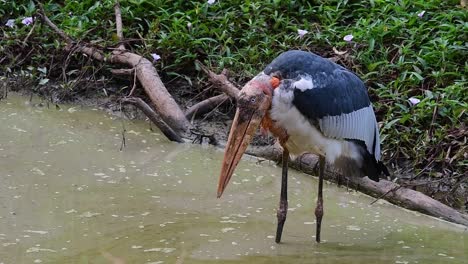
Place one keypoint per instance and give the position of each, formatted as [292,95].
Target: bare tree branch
[205,106]
[123,72]
[25,40]
[221,81]
[118,24]
[163,102]
[53,26]
[145,108]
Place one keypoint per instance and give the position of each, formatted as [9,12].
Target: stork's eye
[253,100]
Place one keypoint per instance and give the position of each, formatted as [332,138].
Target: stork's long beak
[246,122]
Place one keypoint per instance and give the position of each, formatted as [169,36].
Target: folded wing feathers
[360,125]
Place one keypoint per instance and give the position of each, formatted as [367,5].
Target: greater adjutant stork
[311,105]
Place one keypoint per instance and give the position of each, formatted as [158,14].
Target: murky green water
[68,195]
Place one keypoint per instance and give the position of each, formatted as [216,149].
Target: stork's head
[253,103]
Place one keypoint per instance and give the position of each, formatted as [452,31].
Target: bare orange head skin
[252,105]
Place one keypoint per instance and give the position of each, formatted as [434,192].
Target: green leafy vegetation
[402,49]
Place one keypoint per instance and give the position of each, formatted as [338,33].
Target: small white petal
[348,38]
[302,32]
[155,56]
[210,2]
[414,101]
[27,21]
[10,23]
[421,14]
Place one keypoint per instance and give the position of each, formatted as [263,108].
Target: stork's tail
[373,169]
[369,166]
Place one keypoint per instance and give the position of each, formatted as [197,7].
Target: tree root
[221,81]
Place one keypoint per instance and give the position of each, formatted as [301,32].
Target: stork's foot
[281,215]
[318,216]
[339,180]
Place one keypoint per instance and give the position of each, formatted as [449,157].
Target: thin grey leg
[283,204]
[319,208]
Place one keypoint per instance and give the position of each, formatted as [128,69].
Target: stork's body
[311,105]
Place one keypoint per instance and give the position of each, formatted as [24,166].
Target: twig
[29,34]
[394,189]
[52,25]
[221,81]
[66,62]
[90,51]
[165,129]
[434,115]
[424,169]
[124,74]
[456,185]
[406,185]
[123,144]
[19,63]
[134,84]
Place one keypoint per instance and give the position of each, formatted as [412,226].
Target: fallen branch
[205,106]
[223,84]
[392,192]
[123,72]
[221,81]
[162,101]
[118,24]
[148,111]
[52,25]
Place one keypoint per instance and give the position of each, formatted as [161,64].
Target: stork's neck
[269,125]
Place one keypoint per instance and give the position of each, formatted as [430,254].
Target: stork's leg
[283,204]
[319,208]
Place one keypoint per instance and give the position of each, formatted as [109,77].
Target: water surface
[69,195]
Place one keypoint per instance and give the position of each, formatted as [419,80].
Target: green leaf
[390,124]
[417,75]
[371,44]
